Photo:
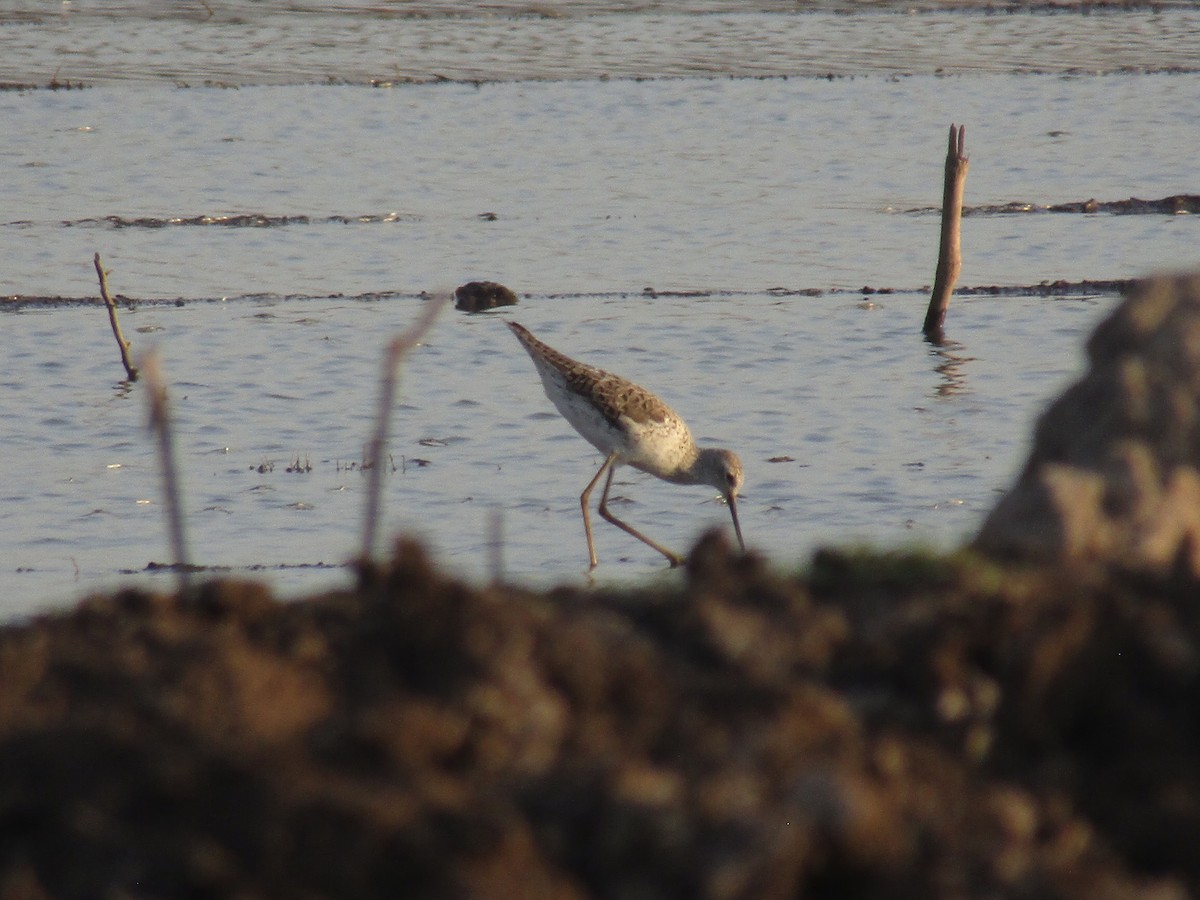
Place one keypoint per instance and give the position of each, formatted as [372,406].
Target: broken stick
[130,369]
[949,263]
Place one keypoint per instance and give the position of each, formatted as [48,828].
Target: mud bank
[879,726]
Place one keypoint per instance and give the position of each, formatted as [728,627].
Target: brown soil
[882,726]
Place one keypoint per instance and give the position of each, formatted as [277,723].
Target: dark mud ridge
[1057,288]
[881,726]
[1174,205]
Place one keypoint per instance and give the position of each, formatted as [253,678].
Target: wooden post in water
[949,263]
[130,369]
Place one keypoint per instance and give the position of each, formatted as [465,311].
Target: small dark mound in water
[475,296]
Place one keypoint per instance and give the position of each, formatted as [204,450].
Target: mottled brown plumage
[629,425]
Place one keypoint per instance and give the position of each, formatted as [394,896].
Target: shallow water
[596,189]
[889,439]
[595,186]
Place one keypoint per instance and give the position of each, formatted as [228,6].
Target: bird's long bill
[737,526]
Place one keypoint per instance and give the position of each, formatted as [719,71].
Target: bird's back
[611,412]
[611,394]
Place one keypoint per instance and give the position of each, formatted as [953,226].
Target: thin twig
[495,543]
[396,350]
[160,423]
[130,369]
[949,263]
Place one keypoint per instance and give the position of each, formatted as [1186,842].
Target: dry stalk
[160,424]
[396,350]
[495,543]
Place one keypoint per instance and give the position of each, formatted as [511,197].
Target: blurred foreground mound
[1114,476]
[885,726]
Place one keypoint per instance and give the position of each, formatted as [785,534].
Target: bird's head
[723,470]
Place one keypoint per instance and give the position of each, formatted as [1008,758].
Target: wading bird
[629,425]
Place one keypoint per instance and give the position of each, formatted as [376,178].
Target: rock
[479,295]
[1114,475]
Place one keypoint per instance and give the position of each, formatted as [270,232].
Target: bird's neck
[691,468]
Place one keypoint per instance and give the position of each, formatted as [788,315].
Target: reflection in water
[949,367]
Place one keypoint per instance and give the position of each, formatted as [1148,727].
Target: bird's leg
[583,503]
[672,558]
